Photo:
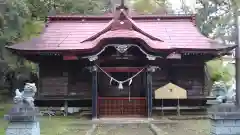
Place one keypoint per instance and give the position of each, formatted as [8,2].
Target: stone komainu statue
[26,97]
[219,88]
[222,93]
[23,116]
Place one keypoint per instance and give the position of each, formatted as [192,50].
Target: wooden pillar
[149,92]
[94,92]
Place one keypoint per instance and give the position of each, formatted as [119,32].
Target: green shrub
[219,72]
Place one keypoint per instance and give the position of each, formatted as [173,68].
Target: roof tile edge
[138,17]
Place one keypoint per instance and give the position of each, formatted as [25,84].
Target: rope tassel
[110,81]
[120,86]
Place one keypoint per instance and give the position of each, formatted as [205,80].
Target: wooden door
[122,107]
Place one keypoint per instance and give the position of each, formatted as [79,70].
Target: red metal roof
[85,33]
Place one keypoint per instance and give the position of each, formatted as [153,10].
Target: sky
[176,4]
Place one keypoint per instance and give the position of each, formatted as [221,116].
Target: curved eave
[217,51]
[31,47]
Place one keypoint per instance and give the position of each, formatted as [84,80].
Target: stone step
[123,129]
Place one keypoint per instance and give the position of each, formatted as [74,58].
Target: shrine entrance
[122,80]
[122,100]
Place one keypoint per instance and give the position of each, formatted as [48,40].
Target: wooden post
[162,106]
[65,108]
[149,92]
[94,92]
[178,107]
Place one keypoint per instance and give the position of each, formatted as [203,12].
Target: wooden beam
[71,57]
[122,69]
[121,98]
[114,58]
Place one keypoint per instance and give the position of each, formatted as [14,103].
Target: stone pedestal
[23,121]
[225,119]
[23,128]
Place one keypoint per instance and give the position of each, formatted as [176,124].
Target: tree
[23,19]
[215,19]
[38,8]
[150,6]
[220,72]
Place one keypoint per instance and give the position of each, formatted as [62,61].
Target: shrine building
[117,64]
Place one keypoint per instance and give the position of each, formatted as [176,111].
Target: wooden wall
[80,80]
[189,76]
[160,78]
[69,79]
[53,79]
[64,79]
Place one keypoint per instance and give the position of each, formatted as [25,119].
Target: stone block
[225,127]
[225,120]
[23,128]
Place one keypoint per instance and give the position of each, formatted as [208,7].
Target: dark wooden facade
[72,79]
[64,79]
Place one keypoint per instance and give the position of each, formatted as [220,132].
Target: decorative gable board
[170,91]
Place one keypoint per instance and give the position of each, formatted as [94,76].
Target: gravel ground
[79,126]
[63,126]
[123,129]
[80,129]
[57,126]
[186,127]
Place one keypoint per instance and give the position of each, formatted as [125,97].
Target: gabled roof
[85,33]
[121,21]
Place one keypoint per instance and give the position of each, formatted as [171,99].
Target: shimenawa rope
[120,83]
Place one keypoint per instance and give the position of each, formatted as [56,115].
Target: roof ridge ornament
[122,3]
[122,6]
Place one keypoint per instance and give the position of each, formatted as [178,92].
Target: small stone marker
[23,116]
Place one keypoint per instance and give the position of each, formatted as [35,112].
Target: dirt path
[186,127]
[123,129]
